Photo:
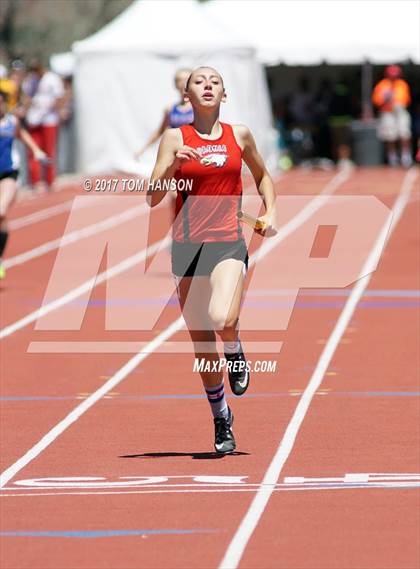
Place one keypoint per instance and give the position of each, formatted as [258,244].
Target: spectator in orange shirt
[392,97]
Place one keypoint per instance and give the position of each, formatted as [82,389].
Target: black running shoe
[224,441]
[237,371]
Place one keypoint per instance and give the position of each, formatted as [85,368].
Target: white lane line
[96,485]
[46,213]
[89,402]
[83,288]
[122,373]
[300,218]
[77,235]
[249,522]
[278,488]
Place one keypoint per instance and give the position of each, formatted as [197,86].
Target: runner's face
[205,88]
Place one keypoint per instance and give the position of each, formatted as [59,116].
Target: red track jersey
[208,211]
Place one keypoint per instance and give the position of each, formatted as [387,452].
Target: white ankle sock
[217,400]
[231,347]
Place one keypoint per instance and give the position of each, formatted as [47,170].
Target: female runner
[174,116]
[209,255]
[9,130]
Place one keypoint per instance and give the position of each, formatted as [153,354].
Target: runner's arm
[171,154]
[155,135]
[27,139]
[255,163]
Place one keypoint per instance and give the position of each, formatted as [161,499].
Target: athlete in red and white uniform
[209,255]
[215,195]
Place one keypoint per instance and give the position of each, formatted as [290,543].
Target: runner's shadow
[194,455]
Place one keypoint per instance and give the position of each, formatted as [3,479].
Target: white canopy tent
[124,80]
[63,63]
[309,32]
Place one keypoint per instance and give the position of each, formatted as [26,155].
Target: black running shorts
[10,174]
[199,259]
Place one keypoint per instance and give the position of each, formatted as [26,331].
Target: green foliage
[40,28]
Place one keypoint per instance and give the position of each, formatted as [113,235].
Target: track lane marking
[83,288]
[278,488]
[89,534]
[174,327]
[74,236]
[249,522]
[44,214]
[98,484]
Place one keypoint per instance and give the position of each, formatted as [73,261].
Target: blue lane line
[370,293]
[249,300]
[200,396]
[390,293]
[332,304]
[262,303]
[381,393]
[287,394]
[104,533]
[162,301]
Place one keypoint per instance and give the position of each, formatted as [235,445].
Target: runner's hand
[269,223]
[184,154]
[40,156]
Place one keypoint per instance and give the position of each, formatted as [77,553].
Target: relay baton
[253,222]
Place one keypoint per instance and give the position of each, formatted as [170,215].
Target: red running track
[133,482]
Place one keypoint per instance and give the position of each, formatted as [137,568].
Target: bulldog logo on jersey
[213,155]
[217,160]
